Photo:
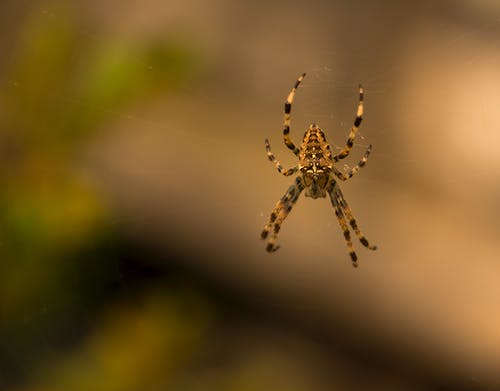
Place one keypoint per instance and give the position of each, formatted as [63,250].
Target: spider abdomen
[315,158]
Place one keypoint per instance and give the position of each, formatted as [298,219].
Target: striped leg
[343,225]
[273,160]
[279,214]
[352,134]
[352,221]
[345,176]
[288,108]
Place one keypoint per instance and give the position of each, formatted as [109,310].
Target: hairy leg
[354,130]
[273,160]
[345,176]
[279,214]
[288,108]
[352,221]
[343,225]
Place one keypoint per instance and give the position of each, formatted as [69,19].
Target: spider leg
[273,160]
[342,222]
[345,176]
[352,221]
[352,134]
[279,214]
[288,108]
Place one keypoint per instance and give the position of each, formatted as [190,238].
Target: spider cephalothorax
[317,171]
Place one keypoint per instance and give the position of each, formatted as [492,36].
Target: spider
[317,176]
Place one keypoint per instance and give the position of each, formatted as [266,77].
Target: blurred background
[134,186]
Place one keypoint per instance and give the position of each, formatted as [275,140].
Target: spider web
[458,48]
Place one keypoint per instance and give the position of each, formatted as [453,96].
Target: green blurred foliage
[59,88]
[143,345]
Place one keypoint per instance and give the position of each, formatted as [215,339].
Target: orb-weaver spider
[317,171]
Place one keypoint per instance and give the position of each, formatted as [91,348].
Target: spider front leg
[273,160]
[288,109]
[345,176]
[354,130]
[279,214]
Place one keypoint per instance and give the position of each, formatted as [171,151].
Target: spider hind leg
[343,225]
[352,221]
[342,210]
[279,214]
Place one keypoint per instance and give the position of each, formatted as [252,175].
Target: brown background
[185,173]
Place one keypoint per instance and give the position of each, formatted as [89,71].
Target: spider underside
[317,174]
